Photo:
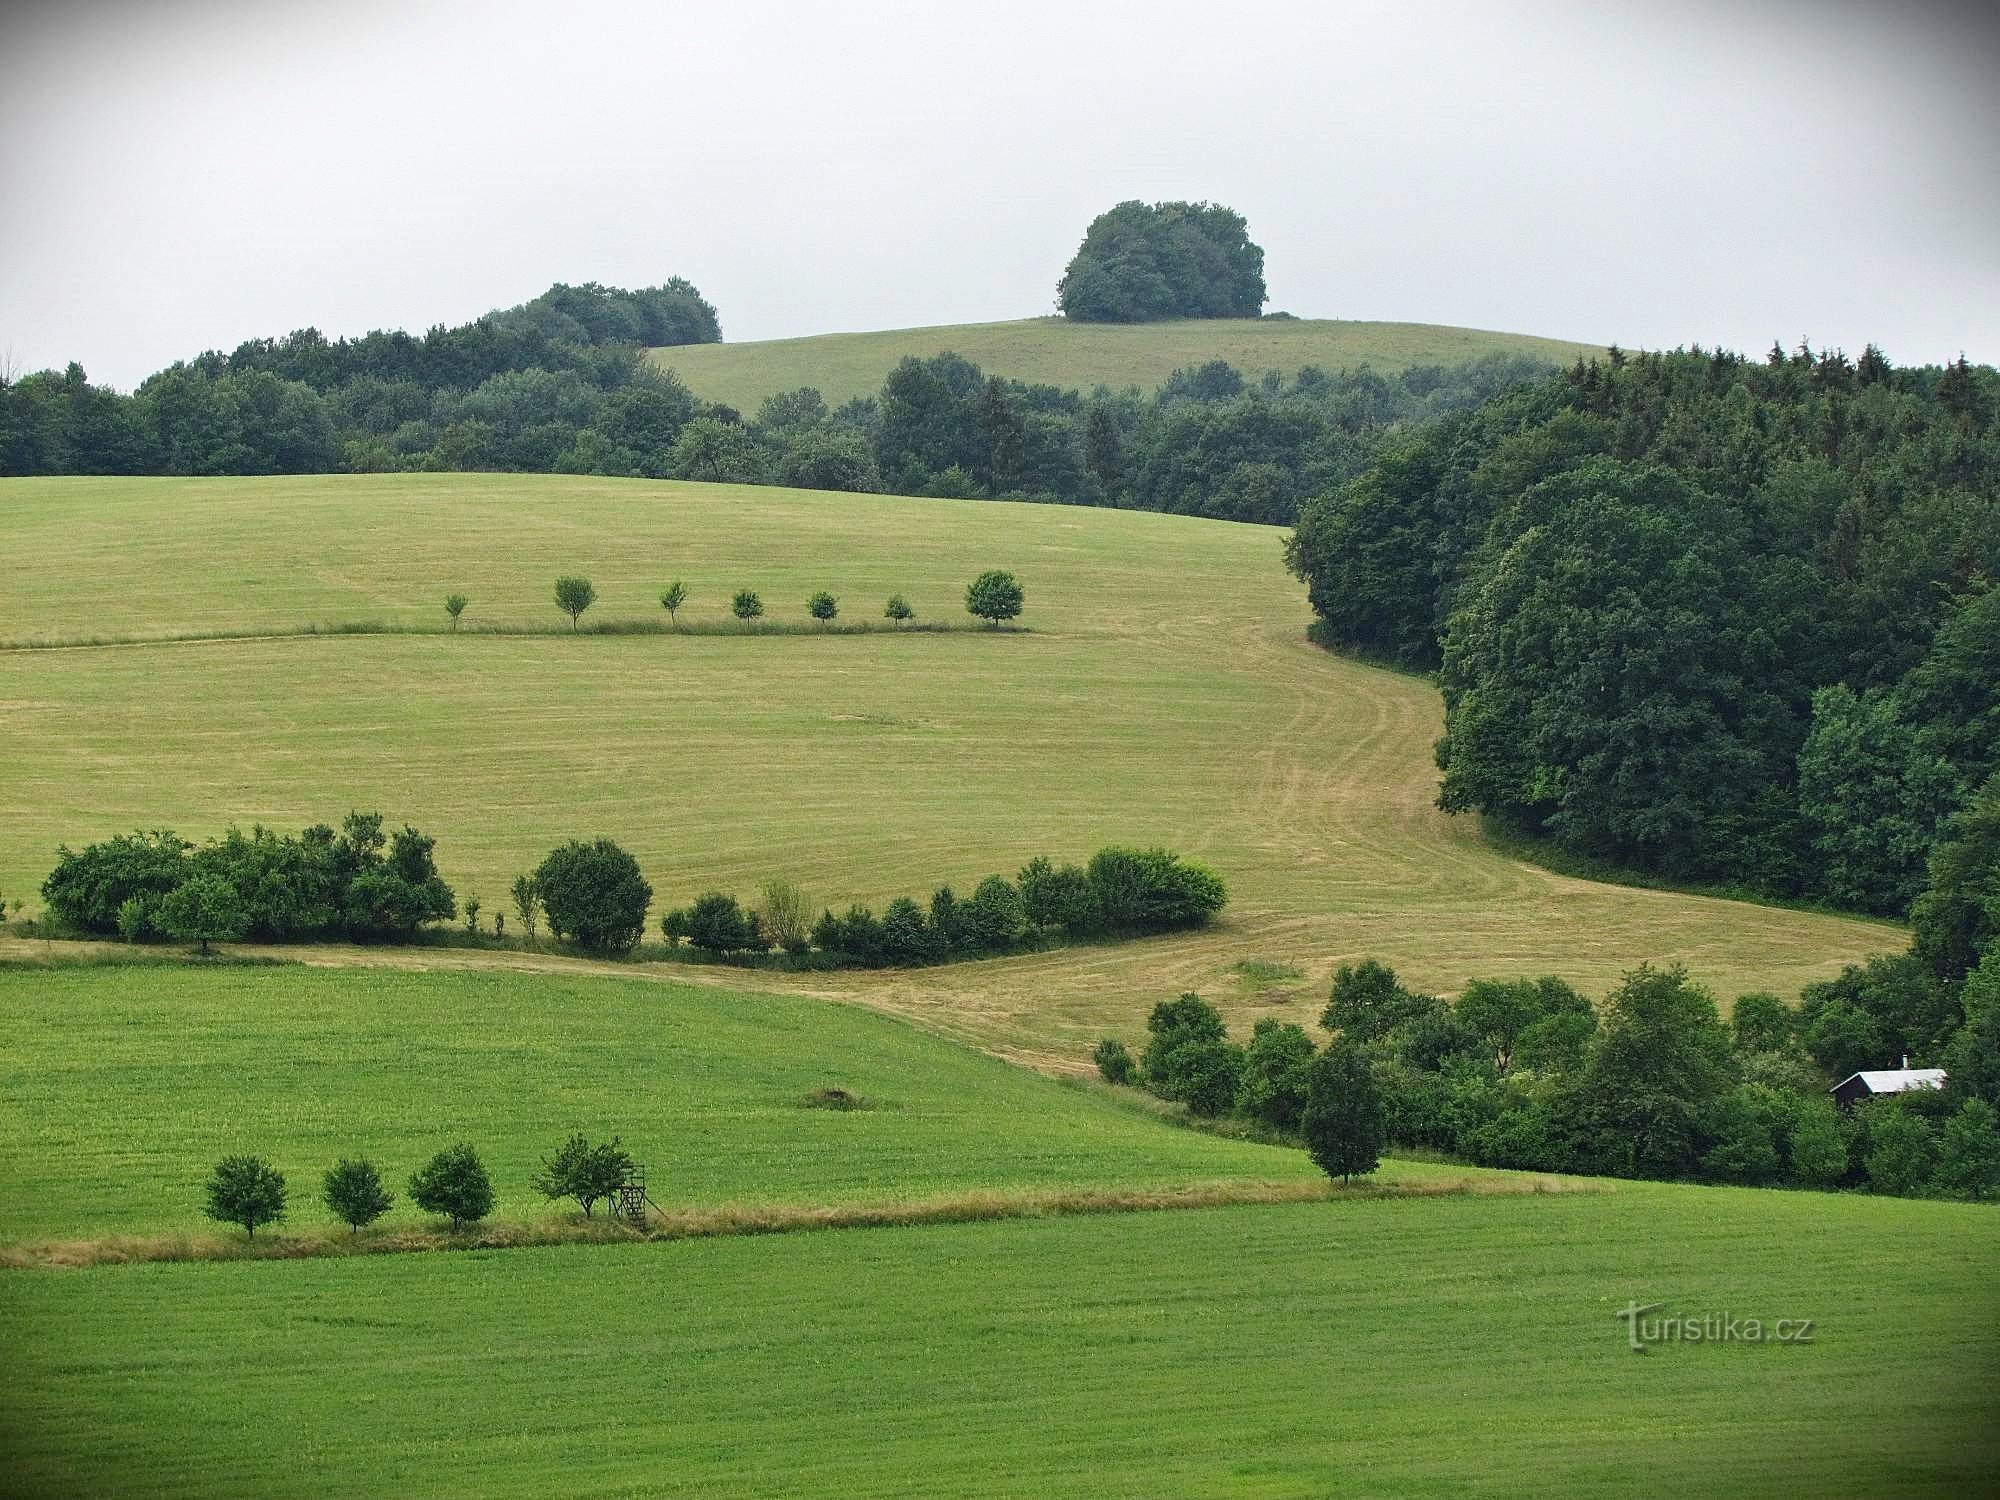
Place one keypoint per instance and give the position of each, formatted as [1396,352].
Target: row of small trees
[454,1184]
[994,596]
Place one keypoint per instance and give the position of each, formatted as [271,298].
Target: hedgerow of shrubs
[1122,893]
[357,883]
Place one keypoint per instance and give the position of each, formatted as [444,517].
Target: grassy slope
[1165,693]
[139,1078]
[1422,1348]
[1050,351]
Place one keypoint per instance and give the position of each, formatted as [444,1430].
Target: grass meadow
[1162,692]
[136,1079]
[1082,356]
[1422,1347]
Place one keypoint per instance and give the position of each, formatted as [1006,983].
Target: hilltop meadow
[1055,351]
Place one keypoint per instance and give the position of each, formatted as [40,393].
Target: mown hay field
[1162,691]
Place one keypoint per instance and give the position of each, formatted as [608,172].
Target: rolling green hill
[1054,351]
[1163,692]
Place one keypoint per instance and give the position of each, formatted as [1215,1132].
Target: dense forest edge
[1719,621]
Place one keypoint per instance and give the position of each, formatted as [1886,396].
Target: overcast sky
[179,176]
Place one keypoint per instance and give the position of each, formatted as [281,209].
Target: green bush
[1968,1162]
[1276,1073]
[717,924]
[1186,1018]
[856,936]
[135,917]
[1900,1152]
[1059,898]
[1203,1075]
[782,915]
[594,896]
[1819,1144]
[823,606]
[995,918]
[746,605]
[1151,890]
[1114,1061]
[898,609]
[907,939]
[354,1193]
[87,886]
[246,1190]
[454,1184]
[949,930]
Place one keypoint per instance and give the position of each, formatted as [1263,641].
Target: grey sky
[182,176]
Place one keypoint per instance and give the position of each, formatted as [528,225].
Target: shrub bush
[1276,1073]
[857,936]
[594,896]
[1114,1061]
[87,886]
[783,913]
[996,918]
[453,1183]
[1187,1018]
[1203,1075]
[1151,890]
[907,939]
[717,924]
[1059,899]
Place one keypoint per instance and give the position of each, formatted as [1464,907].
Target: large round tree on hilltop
[1144,261]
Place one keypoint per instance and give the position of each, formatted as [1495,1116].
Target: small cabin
[1851,1091]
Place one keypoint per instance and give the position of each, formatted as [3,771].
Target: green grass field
[1083,356]
[140,1078]
[1419,1348]
[1164,692]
